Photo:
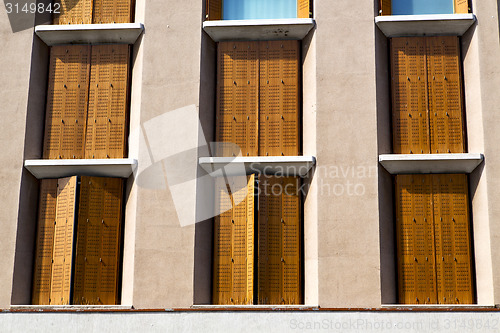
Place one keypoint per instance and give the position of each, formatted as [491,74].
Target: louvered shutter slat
[108,102]
[214,9]
[415,240]
[445,95]
[63,242]
[279,98]
[461,6]
[44,242]
[67,99]
[385,7]
[303,8]
[409,96]
[237,98]
[74,12]
[113,11]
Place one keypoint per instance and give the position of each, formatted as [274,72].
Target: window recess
[94,11]
[422,7]
[257,9]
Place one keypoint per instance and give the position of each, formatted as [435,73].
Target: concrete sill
[425,25]
[417,307]
[120,168]
[254,307]
[270,165]
[278,29]
[430,163]
[69,308]
[122,33]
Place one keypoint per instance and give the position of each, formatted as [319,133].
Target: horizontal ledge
[120,168]
[277,29]
[120,33]
[41,308]
[430,163]
[425,25]
[271,165]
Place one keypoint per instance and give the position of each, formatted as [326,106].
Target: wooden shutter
[445,95]
[113,11]
[385,7]
[234,242]
[453,245]
[461,6]
[213,9]
[98,241]
[74,12]
[108,102]
[63,241]
[303,8]
[237,98]
[67,99]
[279,98]
[415,240]
[44,242]
[279,241]
[409,96]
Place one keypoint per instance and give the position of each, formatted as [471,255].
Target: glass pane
[259,9]
[414,7]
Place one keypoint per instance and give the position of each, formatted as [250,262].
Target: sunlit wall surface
[259,9]
[414,7]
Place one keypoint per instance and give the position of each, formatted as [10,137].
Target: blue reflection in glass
[259,9]
[415,7]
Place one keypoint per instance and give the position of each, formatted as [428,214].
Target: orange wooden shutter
[461,6]
[385,7]
[44,242]
[303,9]
[63,241]
[67,99]
[453,245]
[415,240]
[279,122]
[237,98]
[113,11]
[279,241]
[213,9]
[409,96]
[445,95]
[98,241]
[234,243]
[108,102]
[74,12]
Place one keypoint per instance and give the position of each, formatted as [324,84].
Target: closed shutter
[445,95]
[113,11]
[409,96]
[214,10]
[237,98]
[415,240]
[279,98]
[108,102]
[279,241]
[234,243]
[98,241]
[74,12]
[303,9]
[461,6]
[453,252]
[44,242]
[67,99]
[63,241]
[385,7]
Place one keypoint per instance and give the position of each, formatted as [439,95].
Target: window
[78,241]
[419,7]
[433,239]
[427,97]
[257,241]
[257,9]
[258,98]
[94,11]
[87,102]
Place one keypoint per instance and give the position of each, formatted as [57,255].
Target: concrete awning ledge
[271,165]
[430,163]
[120,168]
[425,25]
[121,33]
[277,29]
